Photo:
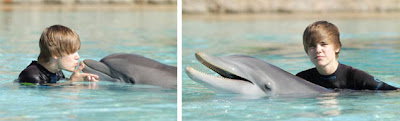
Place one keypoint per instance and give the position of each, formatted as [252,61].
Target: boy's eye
[323,43]
[311,48]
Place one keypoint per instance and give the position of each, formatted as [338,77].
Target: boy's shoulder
[30,74]
[354,72]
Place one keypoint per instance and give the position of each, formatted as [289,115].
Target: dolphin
[134,69]
[240,74]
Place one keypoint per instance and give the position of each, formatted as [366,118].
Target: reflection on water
[331,103]
[369,43]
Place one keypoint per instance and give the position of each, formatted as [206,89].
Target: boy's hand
[78,76]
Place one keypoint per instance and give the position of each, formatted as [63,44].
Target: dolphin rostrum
[250,76]
[132,68]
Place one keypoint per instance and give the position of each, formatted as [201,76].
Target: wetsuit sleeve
[363,80]
[29,77]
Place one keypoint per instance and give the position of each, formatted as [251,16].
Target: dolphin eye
[132,80]
[266,87]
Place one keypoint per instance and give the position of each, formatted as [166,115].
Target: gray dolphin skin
[132,68]
[249,76]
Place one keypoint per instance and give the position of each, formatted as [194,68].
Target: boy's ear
[337,51]
[55,57]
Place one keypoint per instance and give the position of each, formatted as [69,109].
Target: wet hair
[320,30]
[58,40]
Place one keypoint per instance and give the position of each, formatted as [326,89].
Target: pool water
[144,32]
[369,43]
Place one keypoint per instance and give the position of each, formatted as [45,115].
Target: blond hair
[58,40]
[319,31]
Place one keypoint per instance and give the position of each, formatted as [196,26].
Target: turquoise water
[148,33]
[370,44]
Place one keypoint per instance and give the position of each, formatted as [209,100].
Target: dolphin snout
[200,54]
[189,68]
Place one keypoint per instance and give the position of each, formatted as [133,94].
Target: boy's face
[68,62]
[322,53]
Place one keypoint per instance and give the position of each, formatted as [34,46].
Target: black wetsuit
[345,77]
[38,75]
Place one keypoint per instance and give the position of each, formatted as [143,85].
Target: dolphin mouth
[95,67]
[224,73]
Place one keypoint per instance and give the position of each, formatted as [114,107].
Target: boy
[59,47]
[322,44]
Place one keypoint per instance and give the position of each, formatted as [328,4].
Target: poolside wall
[89,1]
[288,6]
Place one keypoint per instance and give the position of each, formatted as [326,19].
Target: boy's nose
[77,56]
[318,48]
